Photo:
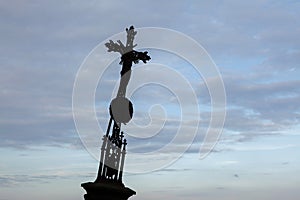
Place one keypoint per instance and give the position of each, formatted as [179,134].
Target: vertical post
[116,130]
[122,161]
[106,159]
[103,148]
[100,170]
[108,128]
[119,156]
[117,164]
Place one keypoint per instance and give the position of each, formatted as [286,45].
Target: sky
[255,46]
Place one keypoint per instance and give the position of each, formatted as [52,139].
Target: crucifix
[121,108]
[113,150]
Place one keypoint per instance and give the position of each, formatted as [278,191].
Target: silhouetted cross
[121,109]
[128,57]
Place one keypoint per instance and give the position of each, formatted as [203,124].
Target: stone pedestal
[106,191]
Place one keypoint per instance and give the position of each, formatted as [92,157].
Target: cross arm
[116,47]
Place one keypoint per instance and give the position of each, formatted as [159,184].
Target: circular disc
[121,110]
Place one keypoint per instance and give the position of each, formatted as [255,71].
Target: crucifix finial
[119,46]
[129,55]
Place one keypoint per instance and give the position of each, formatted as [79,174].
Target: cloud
[276,101]
[254,43]
[44,44]
[19,180]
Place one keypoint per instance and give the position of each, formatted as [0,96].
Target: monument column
[109,182]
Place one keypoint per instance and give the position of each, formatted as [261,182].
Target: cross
[128,56]
[121,109]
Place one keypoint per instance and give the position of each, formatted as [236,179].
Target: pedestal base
[106,191]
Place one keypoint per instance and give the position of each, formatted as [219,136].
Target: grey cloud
[252,30]
[275,101]
[18,180]
[256,110]
[283,60]
[44,44]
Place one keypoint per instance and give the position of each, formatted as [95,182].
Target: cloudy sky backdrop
[255,45]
